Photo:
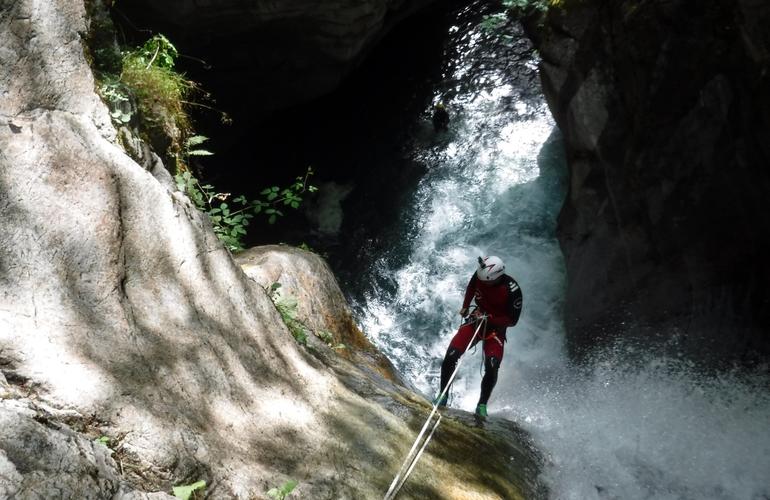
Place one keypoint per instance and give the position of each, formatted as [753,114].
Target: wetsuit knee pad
[491,363]
[452,354]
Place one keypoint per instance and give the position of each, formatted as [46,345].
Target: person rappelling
[498,301]
[498,305]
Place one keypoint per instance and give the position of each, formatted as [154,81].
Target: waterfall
[628,425]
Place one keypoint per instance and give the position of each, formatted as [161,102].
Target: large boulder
[306,279]
[124,320]
[665,110]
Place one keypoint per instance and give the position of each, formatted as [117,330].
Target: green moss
[141,87]
[161,96]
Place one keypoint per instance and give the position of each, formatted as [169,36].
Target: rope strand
[410,461]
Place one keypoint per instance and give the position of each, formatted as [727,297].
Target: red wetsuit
[501,302]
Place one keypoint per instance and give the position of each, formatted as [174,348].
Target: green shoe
[441,402]
[481,410]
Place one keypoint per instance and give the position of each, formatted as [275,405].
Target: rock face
[665,109]
[273,54]
[122,316]
[42,458]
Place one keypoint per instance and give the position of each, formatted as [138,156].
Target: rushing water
[493,184]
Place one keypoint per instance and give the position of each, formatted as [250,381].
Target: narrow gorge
[614,154]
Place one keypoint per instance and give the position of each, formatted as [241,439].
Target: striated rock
[122,315]
[665,109]
[274,54]
[40,458]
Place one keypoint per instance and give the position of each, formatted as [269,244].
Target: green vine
[231,215]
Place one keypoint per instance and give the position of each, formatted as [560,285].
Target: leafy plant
[229,220]
[162,94]
[282,492]
[148,88]
[141,85]
[105,441]
[118,100]
[190,146]
[287,308]
[307,248]
[327,338]
[229,216]
[159,51]
[289,196]
[185,492]
[493,21]
[529,5]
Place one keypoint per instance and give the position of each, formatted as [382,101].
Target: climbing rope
[412,459]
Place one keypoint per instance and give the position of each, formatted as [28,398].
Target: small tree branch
[157,49]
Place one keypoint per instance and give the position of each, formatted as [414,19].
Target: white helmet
[490,268]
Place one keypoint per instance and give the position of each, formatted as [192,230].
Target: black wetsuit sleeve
[515,300]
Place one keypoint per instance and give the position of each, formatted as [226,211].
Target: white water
[651,429]
[657,430]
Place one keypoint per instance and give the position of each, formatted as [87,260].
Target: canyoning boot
[441,402]
[481,410]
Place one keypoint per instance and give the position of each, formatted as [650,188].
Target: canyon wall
[665,110]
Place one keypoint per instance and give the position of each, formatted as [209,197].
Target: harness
[484,337]
[494,336]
